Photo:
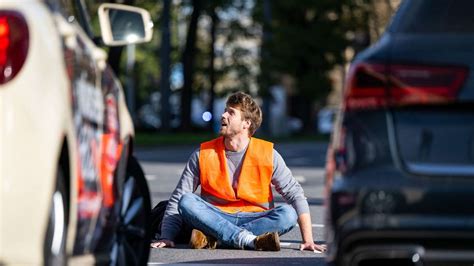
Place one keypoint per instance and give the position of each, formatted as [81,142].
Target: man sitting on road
[236,206]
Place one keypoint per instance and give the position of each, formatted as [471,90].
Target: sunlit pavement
[163,167]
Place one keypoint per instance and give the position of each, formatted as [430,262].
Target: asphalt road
[163,167]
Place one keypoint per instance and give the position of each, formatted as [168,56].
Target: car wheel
[132,240]
[55,240]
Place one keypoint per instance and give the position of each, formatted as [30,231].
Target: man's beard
[227,133]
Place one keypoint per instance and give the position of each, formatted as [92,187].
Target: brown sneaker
[268,242]
[199,240]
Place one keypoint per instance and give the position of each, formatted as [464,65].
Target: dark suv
[400,165]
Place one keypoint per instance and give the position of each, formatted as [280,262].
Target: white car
[70,189]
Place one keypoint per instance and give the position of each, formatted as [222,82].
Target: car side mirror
[122,24]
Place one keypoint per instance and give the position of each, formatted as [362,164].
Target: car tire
[55,239]
[132,239]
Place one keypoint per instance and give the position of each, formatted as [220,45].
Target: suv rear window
[436,16]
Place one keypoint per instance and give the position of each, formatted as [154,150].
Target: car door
[85,64]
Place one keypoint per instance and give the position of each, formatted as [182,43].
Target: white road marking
[315,225]
[301,179]
[288,244]
[151,177]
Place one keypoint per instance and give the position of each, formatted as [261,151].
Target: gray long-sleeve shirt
[282,179]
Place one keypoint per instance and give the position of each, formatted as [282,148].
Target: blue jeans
[230,228]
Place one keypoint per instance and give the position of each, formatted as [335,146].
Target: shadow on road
[311,201]
[297,242]
[263,261]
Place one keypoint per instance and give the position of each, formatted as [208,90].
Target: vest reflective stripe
[253,192]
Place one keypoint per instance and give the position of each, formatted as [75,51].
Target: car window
[82,7]
[65,7]
[74,11]
[436,16]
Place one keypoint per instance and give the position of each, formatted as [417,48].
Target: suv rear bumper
[399,218]
[406,247]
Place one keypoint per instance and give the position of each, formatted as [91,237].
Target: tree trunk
[165,66]
[188,67]
[212,73]
[267,38]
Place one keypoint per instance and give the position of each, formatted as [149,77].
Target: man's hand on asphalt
[162,243]
[314,247]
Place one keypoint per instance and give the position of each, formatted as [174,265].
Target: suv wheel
[132,240]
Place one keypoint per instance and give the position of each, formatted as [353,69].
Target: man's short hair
[249,108]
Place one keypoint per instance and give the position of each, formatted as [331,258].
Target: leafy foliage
[307,39]
[302,39]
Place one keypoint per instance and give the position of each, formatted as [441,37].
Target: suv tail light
[377,85]
[14,40]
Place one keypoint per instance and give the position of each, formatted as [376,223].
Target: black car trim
[443,169]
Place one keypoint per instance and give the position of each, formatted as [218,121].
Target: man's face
[232,122]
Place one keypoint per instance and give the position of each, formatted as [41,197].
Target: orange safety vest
[254,193]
